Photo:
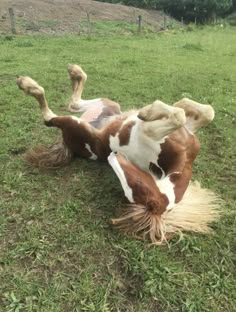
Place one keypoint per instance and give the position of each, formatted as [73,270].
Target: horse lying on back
[151,150]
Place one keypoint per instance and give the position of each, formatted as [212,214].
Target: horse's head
[139,186]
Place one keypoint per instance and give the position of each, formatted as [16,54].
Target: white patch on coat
[141,150]
[76,119]
[94,156]
[120,174]
[167,187]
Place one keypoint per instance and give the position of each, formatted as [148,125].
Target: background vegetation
[200,11]
[57,249]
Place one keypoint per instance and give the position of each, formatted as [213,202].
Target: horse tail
[53,156]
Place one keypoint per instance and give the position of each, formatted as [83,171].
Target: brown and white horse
[151,150]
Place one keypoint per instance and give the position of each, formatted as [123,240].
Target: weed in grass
[8,38]
[24,43]
[193,47]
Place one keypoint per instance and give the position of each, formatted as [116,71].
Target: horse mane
[194,213]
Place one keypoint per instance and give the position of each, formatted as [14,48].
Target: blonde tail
[198,208]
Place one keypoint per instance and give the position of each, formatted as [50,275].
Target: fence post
[89,23]
[139,23]
[182,22]
[164,22]
[12,18]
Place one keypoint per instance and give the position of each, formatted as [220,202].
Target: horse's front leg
[160,119]
[197,115]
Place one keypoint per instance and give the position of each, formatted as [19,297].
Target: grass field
[58,251]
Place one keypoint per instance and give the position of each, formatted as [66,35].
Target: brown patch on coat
[179,148]
[178,153]
[144,188]
[124,133]
[172,157]
[77,134]
[111,129]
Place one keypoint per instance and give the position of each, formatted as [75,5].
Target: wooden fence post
[139,23]
[89,23]
[164,20]
[12,18]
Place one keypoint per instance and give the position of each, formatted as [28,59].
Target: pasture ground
[57,249]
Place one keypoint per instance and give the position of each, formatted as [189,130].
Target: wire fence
[83,22]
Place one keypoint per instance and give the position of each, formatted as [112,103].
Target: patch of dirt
[68,16]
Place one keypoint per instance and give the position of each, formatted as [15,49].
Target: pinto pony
[151,150]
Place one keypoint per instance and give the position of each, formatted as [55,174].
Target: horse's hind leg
[57,154]
[76,74]
[197,115]
[32,88]
[78,79]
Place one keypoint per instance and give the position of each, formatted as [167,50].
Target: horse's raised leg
[96,110]
[32,88]
[197,115]
[78,79]
[57,154]
[78,137]
[161,119]
[76,74]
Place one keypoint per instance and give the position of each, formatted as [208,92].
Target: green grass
[58,251]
